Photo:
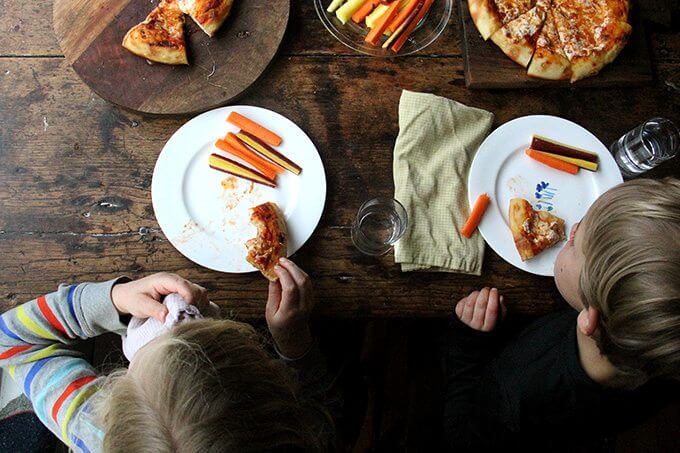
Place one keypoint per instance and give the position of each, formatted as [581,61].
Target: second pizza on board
[555,39]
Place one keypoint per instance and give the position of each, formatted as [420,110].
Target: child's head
[207,385]
[621,269]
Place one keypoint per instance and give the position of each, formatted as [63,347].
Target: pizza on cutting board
[160,37]
[533,231]
[271,241]
[555,39]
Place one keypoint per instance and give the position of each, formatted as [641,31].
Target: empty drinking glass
[652,142]
[380,223]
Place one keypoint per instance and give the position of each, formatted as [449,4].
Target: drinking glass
[380,223]
[652,142]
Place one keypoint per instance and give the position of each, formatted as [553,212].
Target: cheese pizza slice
[271,242]
[533,231]
[490,15]
[549,60]
[517,38]
[591,33]
[208,14]
[160,37]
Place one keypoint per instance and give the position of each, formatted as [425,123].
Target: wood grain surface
[487,67]
[220,68]
[75,203]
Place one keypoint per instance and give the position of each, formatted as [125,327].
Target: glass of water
[652,142]
[380,223]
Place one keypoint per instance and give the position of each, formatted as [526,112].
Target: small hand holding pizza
[289,306]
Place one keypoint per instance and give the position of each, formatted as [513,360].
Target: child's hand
[480,309]
[143,298]
[289,305]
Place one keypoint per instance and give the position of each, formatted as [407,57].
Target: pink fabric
[142,331]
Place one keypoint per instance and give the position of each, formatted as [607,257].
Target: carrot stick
[253,159]
[237,143]
[403,15]
[476,214]
[257,130]
[364,10]
[388,42]
[376,32]
[552,162]
[399,43]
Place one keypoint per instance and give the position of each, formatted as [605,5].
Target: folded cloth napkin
[142,331]
[437,140]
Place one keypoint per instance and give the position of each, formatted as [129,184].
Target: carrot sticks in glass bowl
[385,27]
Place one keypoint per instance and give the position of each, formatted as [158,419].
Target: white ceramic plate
[502,170]
[205,214]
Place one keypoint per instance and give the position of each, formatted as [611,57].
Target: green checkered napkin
[437,140]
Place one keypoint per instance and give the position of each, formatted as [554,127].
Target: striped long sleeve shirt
[36,341]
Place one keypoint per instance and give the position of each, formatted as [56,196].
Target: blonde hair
[631,275]
[206,386]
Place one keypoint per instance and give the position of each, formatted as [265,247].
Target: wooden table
[75,172]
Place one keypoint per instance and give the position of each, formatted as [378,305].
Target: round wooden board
[220,68]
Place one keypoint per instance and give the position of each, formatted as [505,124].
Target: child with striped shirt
[203,385]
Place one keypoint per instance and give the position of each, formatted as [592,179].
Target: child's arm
[34,348]
[470,342]
[35,341]
[289,306]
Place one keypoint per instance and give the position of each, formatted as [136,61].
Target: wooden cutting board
[487,67]
[90,33]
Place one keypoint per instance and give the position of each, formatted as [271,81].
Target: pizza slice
[208,14]
[491,15]
[160,37]
[549,60]
[517,38]
[533,231]
[591,33]
[271,242]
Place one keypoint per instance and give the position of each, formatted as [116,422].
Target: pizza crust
[517,38]
[208,14]
[484,17]
[549,61]
[271,242]
[160,37]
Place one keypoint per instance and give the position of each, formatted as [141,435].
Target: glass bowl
[352,34]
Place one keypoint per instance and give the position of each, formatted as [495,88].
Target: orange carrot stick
[257,130]
[364,10]
[552,162]
[401,40]
[381,25]
[403,15]
[237,143]
[253,159]
[476,214]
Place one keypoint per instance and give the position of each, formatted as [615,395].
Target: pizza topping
[269,245]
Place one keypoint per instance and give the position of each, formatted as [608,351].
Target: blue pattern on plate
[544,193]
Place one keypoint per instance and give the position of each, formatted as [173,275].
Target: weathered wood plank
[347,283]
